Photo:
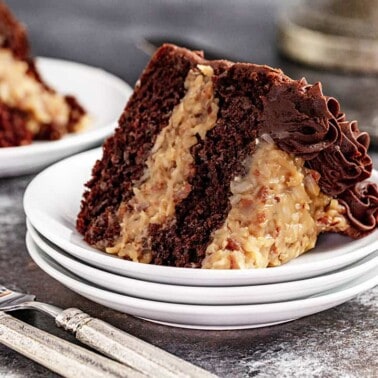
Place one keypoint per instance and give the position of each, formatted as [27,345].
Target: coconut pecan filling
[22,91]
[277,212]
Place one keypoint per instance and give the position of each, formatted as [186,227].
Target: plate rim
[328,299]
[356,268]
[113,262]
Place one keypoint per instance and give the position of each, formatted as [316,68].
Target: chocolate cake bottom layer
[13,130]
[277,209]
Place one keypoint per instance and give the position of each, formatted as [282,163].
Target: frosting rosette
[361,203]
[313,127]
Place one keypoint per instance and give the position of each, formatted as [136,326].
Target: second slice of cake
[29,108]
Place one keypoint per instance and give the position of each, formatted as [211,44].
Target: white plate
[102,94]
[231,295]
[205,317]
[55,219]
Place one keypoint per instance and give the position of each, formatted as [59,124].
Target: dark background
[105,33]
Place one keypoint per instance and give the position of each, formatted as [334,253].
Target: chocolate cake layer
[13,130]
[254,101]
[13,37]
[76,115]
[13,34]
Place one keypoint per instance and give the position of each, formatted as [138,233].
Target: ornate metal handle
[56,354]
[121,346]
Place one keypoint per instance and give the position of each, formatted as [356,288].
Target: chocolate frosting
[346,161]
[313,127]
[361,203]
[298,125]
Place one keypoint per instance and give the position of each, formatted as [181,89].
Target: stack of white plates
[337,270]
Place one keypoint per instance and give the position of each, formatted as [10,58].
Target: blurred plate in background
[102,94]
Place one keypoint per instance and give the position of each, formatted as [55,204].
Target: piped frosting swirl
[345,162]
[361,203]
[315,129]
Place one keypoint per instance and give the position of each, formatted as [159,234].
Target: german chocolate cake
[29,108]
[226,165]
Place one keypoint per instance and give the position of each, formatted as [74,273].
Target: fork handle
[126,348]
[58,355]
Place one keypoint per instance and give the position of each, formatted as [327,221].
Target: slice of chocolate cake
[29,108]
[226,165]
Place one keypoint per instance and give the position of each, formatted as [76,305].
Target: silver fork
[110,341]
[58,355]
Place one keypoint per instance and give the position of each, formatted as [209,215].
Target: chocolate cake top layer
[253,100]
[13,34]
